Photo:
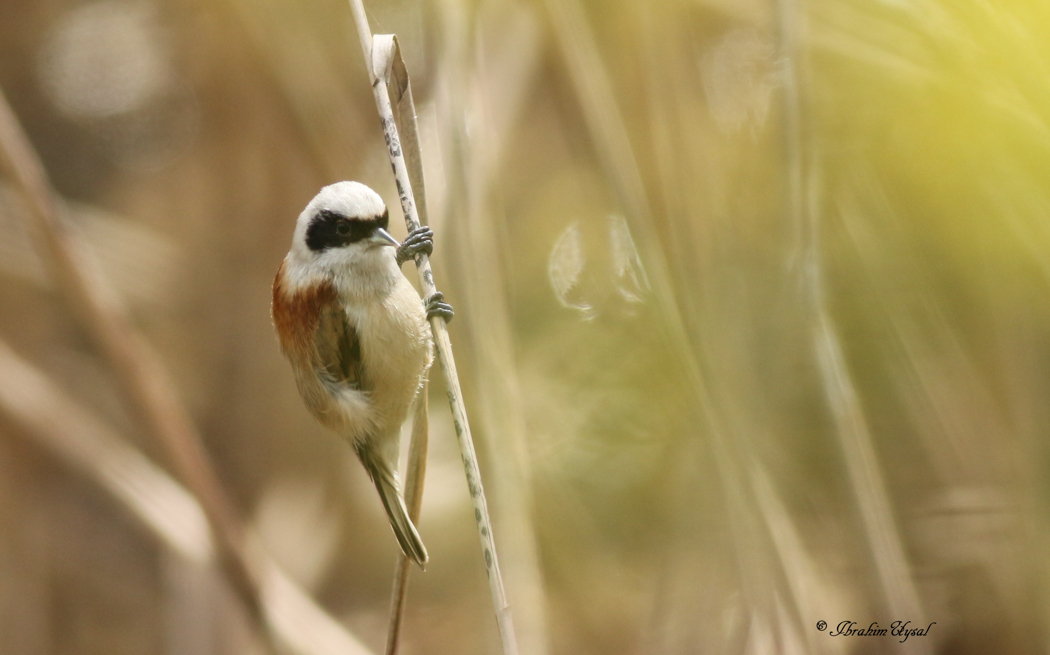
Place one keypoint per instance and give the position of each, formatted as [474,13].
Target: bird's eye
[342,228]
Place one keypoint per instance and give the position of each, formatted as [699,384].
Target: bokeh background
[753,318]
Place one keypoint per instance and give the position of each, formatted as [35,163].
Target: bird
[356,332]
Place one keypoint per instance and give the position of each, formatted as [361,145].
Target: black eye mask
[330,229]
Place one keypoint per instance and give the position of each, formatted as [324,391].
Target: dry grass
[792,365]
[189,525]
[387,69]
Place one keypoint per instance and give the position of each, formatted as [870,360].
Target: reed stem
[381,55]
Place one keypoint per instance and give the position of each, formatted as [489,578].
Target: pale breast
[395,350]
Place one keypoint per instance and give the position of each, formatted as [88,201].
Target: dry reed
[487,83]
[864,470]
[138,369]
[759,570]
[383,61]
[154,401]
[170,512]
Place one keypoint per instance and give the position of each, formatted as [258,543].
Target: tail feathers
[386,484]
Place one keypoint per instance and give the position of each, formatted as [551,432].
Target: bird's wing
[338,348]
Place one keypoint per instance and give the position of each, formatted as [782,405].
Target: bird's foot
[436,306]
[419,240]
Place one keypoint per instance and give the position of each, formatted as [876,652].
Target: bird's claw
[436,306]
[419,240]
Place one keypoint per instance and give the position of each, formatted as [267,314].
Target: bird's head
[343,230]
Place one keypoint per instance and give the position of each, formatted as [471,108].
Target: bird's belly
[395,351]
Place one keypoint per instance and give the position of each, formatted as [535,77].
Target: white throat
[360,272]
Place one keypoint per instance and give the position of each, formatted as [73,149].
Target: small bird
[356,333]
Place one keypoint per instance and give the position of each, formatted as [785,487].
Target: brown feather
[313,330]
[297,316]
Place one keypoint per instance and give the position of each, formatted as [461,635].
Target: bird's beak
[383,238]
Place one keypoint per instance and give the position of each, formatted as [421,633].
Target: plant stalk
[379,68]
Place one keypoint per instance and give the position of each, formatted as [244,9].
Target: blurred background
[752,319]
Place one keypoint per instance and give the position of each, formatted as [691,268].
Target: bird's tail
[385,481]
